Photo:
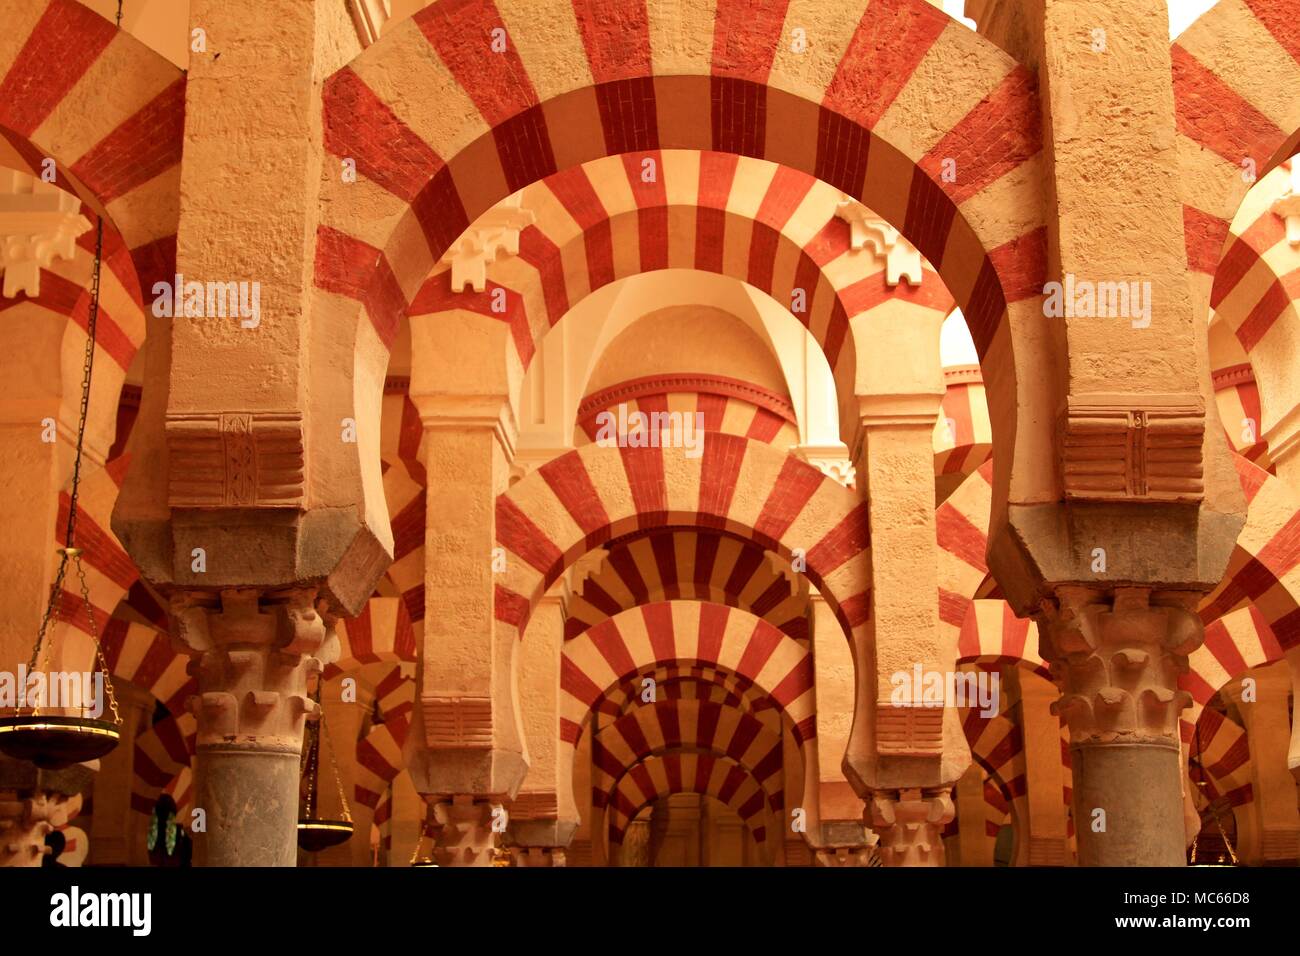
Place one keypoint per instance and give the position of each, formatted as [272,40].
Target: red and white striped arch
[683,681]
[145,656]
[381,633]
[1253,296]
[107,109]
[963,436]
[993,637]
[751,220]
[1225,757]
[664,775]
[1263,573]
[1238,401]
[110,572]
[1237,114]
[685,632]
[998,746]
[1264,569]
[1234,643]
[961,530]
[593,494]
[625,77]
[687,565]
[728,405]
[379,759]
[671,725]
[161,753]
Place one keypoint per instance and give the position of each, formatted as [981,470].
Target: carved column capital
[464,829]
[1117,658]
[253,653]
[910,825]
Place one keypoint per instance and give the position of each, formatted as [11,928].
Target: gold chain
[70,551]
[424,829]
[334,767]
[93,630]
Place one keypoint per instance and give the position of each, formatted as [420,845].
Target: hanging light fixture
[52,741]
[314,833]
[1195,856]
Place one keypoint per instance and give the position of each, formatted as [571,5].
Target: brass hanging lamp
[53,741]
[314,833]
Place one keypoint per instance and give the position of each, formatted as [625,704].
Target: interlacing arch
[488,124]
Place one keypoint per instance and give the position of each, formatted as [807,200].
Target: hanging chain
[334,767]
[70,551]
[424,830]
[119,14]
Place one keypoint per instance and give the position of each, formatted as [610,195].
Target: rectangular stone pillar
[899,404]
[465,738]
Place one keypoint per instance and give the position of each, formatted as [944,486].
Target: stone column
[466,746]
[114,827]
[1265,711]
[543,817]
[1042,838]
[1116,656]
[253,654]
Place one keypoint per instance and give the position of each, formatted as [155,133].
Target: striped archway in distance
[699,725]
[593,494]
[488,124]
[691,564]
[638,640]
[663,775]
